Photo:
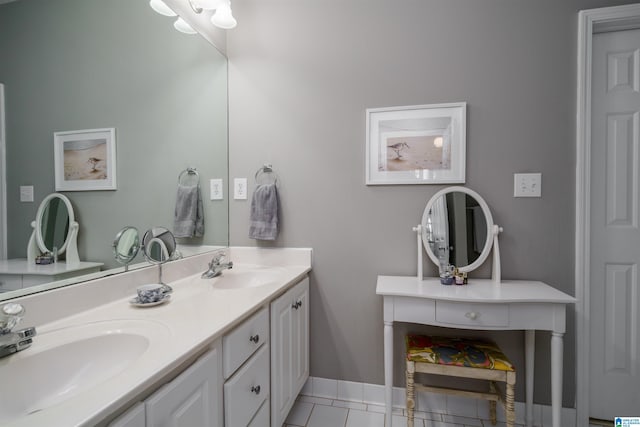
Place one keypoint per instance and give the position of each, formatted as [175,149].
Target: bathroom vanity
[227,351]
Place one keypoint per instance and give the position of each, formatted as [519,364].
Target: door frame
[3,176]
[589,22]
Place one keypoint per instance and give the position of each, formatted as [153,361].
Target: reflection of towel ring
[189,172]
[267,171]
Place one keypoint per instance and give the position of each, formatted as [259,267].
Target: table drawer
[239,344]
[10,282]
[472,314]
[245,392]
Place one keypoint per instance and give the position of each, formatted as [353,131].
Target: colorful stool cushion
[472,353]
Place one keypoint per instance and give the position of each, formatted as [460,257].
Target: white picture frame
[416,144]
[85,160]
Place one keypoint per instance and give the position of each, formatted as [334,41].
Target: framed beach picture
[85,160]
[418,144]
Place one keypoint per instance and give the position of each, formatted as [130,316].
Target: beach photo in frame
[85,160]
[417,144]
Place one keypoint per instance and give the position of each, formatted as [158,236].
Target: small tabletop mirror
[457,230]
[55,230]
[126,245]
[159,246]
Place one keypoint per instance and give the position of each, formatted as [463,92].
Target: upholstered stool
[460,357]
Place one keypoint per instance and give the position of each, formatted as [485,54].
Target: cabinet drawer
[245,392]
[243,341]
[471,314]
[10,282]
[262,417]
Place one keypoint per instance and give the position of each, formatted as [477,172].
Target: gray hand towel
[264,213]
[189,214]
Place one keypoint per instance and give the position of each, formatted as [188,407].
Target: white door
[615,236]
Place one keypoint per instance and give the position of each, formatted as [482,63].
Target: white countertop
[22,266]
[477,290]
[197,314]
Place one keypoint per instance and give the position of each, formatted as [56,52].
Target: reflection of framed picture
[85,160]
[419,144]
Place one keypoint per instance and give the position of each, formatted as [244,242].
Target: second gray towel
[264,213]
[189,214]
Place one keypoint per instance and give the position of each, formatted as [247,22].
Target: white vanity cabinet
[193,398]
[246,370]
[289,349]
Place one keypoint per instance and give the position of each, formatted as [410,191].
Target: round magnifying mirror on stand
[126,246]
[159,246]
[55,230]
[457,230]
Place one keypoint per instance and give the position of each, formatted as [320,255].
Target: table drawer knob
[255,389]
[254,338]
[471,315]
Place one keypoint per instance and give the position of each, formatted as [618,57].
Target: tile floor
[311,411]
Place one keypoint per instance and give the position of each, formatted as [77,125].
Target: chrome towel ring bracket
[266,175]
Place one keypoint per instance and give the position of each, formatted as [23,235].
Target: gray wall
[302,73]
[84,64]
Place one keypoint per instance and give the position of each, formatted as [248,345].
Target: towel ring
[189,172]
[267,171]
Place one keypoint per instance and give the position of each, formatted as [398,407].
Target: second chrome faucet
[217,266]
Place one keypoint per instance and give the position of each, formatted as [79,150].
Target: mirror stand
[496,274]
[71,251]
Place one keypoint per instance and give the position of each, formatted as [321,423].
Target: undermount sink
[64,362]
[247,277]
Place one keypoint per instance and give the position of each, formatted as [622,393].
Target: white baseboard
[373,394]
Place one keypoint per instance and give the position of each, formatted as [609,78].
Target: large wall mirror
[88,64]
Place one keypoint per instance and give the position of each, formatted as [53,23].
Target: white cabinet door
[289,349]
[300,331]
[134,417]
[194,398]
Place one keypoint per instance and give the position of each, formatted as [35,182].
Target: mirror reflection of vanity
[52,252]
[458,233]
[87,64]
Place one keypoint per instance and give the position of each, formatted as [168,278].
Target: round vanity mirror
[158,245]
[457,229]
[53,223]
[126,245]
[55,230]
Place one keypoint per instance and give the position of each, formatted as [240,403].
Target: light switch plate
[216,190]
[240,188]
[527,185]
[26,193]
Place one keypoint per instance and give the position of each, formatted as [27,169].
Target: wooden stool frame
[491,375]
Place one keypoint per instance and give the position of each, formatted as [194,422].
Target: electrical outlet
[26,193]
[527,185]
[216,190]
[240,188]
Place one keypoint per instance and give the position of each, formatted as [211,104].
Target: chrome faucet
[13,341]
[216,266]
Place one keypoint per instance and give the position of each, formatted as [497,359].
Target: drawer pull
[297,304]
[254,338]
[255,389]
[471,315]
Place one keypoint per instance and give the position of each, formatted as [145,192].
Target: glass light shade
[208,4]
[223,17]
[160,7]
[182,26]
